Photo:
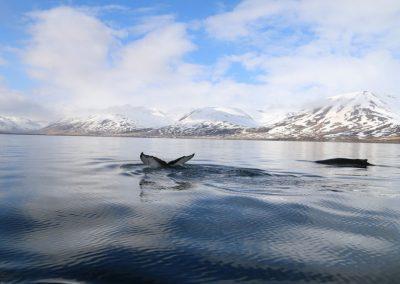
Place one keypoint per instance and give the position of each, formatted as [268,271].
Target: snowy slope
[142,116]
[268,117]
[13,124]
[98,124]
[232,116]
[210,121]
[111,121]
[358,115]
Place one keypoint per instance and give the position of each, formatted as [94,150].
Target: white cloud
[13,103]
[245,18]
[89,63]
[340,19]
[324,47]
[357,16]
[151,23]
[332,74]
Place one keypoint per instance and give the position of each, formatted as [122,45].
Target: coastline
[390,140]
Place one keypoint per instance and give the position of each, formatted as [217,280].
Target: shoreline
[394,140]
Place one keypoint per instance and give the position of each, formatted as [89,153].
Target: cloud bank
[92,64]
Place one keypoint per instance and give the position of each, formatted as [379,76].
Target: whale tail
[155,162]
[180,161]
[152,161]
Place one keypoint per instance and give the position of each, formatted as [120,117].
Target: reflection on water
[84,209]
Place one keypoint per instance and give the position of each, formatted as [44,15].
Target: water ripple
[85,210]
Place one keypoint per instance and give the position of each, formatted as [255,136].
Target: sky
[59,56]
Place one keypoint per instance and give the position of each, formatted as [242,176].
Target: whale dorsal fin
[152,161]
[180,161]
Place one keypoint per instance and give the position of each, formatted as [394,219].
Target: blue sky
[61,55]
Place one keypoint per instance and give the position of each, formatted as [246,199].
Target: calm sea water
[83,209]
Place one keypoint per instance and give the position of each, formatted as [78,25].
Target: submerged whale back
[345,162]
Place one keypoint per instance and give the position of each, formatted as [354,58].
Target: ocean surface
[85,210]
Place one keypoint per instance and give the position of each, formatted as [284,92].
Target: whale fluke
[152,161]
[345,162]
[180,161]
[155,162]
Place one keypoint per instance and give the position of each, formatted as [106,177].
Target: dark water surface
[84,210]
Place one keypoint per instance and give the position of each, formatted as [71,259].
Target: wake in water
[248,181]
[227,178]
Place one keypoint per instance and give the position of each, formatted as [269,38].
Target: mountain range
[361,116]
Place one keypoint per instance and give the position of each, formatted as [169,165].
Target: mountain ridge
[351,116]
[359,114]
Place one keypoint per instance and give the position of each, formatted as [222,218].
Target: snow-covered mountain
[354,115]
[97,124]
[13,124]
[142,116]
[232,116]
[111,121]
[359,115]
[210,121]
[268,117]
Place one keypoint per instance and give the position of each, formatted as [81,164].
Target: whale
[345,162]
[155,162]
